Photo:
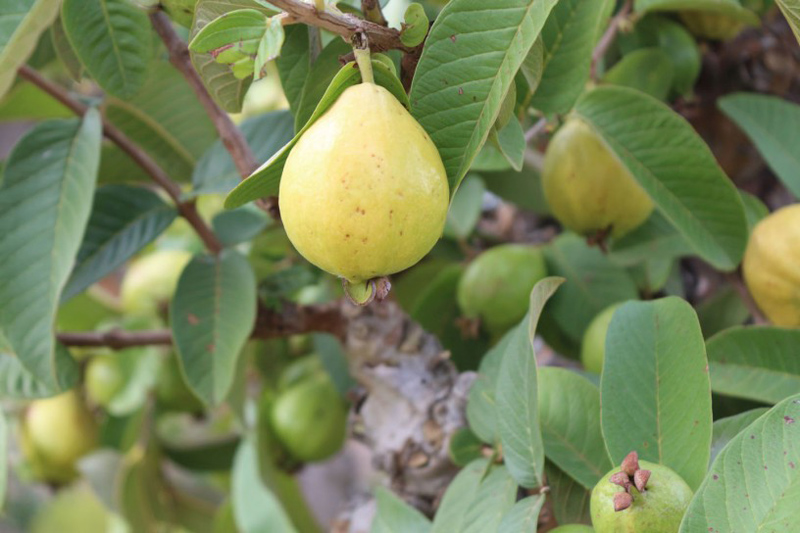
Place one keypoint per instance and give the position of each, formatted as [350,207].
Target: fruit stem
[364,64]
[319,5]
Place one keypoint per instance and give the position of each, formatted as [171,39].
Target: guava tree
[539,257]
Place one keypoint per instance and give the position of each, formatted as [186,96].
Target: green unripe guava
[710,25]
[172,392]
[593,346]
[104,379]
[496,286]
[572,528]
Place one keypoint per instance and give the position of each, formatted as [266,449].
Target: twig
[372,12]
[380,37]
[231,136]
[609,36]
[535,130]
[291,320]
[139,156]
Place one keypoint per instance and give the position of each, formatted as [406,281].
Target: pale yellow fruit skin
[587,187]
[364,192]
[151,280]
[772,266]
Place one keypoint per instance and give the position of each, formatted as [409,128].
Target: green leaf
[139,367]
[465,209]
[16,381]
[216,455]
[265,180]
[569,412]
[569,499]
[655,239]
[532,68]
[45,200]
[239,225]
[231,36]
[225,88]
[791,10]
[396,516]
[517,395]
[294,63]
[648,70]
[754,209]
[569,36]
[510,141]
[655,390]
[731,8]
[112,39]
[523,517]
[21,24]
[725,429]
[464,447]
[675,167]
[759,363]
[28,102]
[471,55]
[66,54]
[212,316]
[166,119]
[754,484]
[494,499]
[319,80]
[4,437]
[459,496]
[481,404]
[415,25]
[255,507]
[721,311]
[593,283]
[124,220]
[269,47]
[772,124]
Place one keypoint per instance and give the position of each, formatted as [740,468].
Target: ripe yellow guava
[659,508]
[771,266]
[104,379]
[55,433]
[310,419]
[593,347]
[151,280]
[496,286]
[588,189]
[364,193]
[710,25]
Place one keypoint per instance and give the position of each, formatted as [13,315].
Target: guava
[711,25]
[180,11]
[73,509]
[104,379]
[56,432]
[297,371]
[647,497]
[496,286]
[593,347]
[151,280]
[172,392]
[588,189]
[771,266]
[364,193]
[310,419]
[572,528]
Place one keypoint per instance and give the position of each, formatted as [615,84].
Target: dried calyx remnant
[629,476]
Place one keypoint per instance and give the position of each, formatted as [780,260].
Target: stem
[139,156]
[372,12]
[364,65]
[319,5]
[535,130]
[609,36]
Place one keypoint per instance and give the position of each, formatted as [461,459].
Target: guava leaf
[725,429]
[113,40]
[759,363]
[569,414]
[465,209]
[294,63]
[472,53]
[318,80]
[754,483]
[772,124]
[239,30]
[730,8]
[675,167]
[791,10]
[28,102]
[415,25]
[394,515]
[570,499]
[124,220]
[212,315]
[568,36]
[723,310]
[23,21]
[45,199]
[482,404]
[655,390]
[265,181]
[649,70]
[593,283]
[656,238]
[524,516]
[66,54]
[510,142]
[517,392]
[494,498]
[459,496]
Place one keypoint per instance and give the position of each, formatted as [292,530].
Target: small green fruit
[151,280]
[572,528]
[657,508]
[55,433]
[710,25]
[172,393]
[593,347]
[587,187]
[73,509]
[104,379]
[496,286]
[310,419]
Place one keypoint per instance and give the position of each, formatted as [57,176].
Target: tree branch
[291,320]
[380,37]
[609,36]
[139,156]
[372,12]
